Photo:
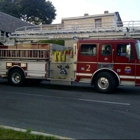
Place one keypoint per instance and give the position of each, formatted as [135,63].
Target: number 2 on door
[88,67]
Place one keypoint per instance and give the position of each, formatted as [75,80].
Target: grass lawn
[11,134]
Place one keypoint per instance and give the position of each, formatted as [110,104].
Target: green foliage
[11,134]
[28,131]
[33,11]
[59,42]
[10,7]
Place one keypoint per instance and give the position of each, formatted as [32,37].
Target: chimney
[106,12]
[85,14]
[62,21]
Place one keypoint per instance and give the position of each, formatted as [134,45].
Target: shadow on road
[80,87]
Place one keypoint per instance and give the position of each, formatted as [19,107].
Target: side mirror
[128,51]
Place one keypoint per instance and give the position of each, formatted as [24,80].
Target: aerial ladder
[126,29]
[88,30]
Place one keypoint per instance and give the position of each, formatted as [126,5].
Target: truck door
[87,61]
[137,48]
[124,66]
[105,58]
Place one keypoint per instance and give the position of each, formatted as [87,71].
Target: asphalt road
[72,111]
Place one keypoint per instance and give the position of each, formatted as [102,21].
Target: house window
[98,22]
[75,25]
[88,49]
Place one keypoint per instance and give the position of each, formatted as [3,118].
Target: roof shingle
[9,23]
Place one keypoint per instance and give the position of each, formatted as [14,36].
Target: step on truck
[105,64]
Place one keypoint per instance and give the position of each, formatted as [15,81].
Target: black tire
[16,77]
[105,82]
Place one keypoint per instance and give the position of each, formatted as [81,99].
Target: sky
[128,9]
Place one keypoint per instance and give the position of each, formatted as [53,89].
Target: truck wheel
[16,77]
[105,82]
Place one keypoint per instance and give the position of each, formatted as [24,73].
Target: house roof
[9,23]
[118,15]
[94,16]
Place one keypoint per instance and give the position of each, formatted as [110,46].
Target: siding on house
[111,18]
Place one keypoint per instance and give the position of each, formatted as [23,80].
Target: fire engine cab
[105,64]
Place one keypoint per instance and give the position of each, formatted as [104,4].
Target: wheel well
[15,68]
[106,70]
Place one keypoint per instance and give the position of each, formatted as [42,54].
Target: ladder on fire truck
[89,30]
[30,54]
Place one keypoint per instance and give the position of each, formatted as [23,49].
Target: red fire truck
[105,64]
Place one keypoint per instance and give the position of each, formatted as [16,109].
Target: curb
[33,132]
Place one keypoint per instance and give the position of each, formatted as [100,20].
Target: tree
[33,11]
[10,7]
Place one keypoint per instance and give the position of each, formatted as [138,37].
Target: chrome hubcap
[103,83]
[16,78]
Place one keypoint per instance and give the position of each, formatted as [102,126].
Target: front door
[124,66]
[137,47]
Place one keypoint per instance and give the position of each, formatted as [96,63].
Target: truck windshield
[138,49]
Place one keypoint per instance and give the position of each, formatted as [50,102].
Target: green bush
[59,42]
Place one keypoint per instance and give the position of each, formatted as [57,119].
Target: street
[76,111]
